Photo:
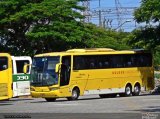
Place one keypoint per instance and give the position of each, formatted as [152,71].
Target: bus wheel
[75,94]
[137,90]
[128,91]
[50,99]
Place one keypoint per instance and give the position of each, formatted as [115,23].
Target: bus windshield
[43,71]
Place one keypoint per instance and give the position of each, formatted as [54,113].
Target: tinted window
[3,63]
[20,64]
[112,61]
[65,70]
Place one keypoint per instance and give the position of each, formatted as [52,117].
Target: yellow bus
[13,82]
[101,71]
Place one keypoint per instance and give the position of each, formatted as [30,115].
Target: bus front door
[21,81]
[65,76]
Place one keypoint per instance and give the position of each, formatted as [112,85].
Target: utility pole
[110,17]
[100,15]
[118,12]
[86,13]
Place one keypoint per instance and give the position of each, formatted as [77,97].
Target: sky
[111,3]
[111,19]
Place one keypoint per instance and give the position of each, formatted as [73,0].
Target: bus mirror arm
[26,68]
[57,68]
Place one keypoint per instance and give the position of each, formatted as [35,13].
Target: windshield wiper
[36,83]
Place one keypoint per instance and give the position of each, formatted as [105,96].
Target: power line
[107,15]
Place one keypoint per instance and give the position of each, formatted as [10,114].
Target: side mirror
[26,68]
[57,67]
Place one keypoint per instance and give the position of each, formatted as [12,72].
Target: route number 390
[22,77]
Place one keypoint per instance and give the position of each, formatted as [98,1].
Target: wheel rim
[136,89]
[74,94]
[128,90]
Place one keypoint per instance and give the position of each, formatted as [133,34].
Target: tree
[105,38]
[148,37]
[148,12]
[30,25]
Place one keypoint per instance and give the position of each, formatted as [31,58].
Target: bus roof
[5,54]
[91,51]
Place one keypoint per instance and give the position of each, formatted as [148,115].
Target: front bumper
[50,94]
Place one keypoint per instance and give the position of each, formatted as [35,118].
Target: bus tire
[128,91]
[75,94]
[50,99]
[137,90]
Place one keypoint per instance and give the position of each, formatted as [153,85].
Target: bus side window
[100,65]
[78,63]
[129,64]
[133,61]
[77,66]
[127,61]
[106,64]
[92,65]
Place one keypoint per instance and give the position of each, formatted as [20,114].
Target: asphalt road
[89,107]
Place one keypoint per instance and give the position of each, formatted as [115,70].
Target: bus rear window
[3,63]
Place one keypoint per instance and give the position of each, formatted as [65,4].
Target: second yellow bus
[102,71]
